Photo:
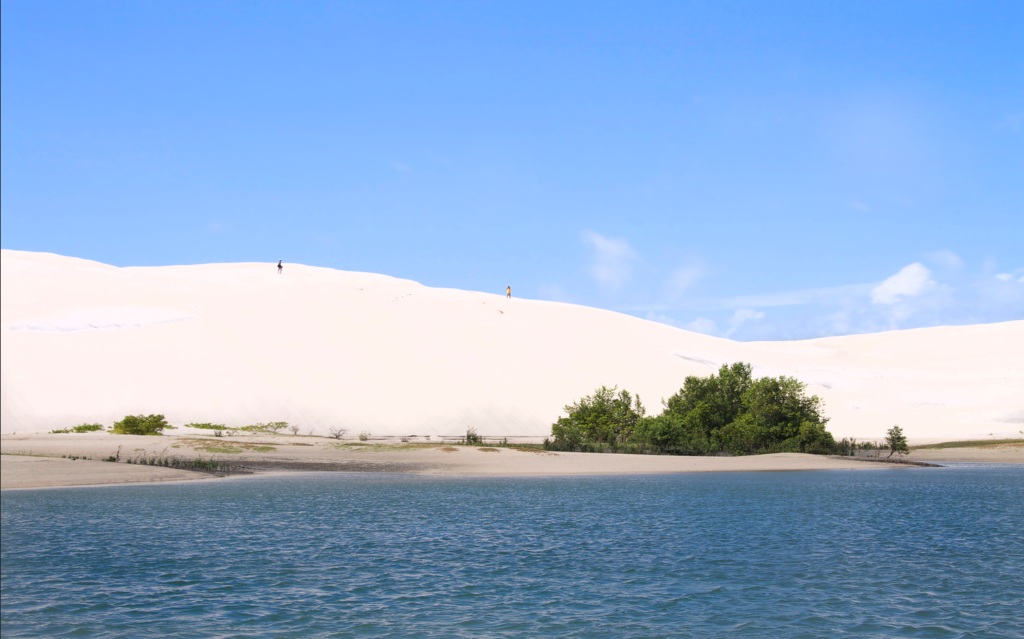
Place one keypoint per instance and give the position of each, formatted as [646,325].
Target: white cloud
[702,325]
[613,260]
[1004,277]
[946,259]
[741,316]
[912,280]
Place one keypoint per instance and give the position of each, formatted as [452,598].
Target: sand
[265,453]
[18,472]
[238,344]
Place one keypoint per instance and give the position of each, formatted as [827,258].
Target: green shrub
[269,427]
[81,428]
[604,417]
[729,412]
[141,425]
[206,426]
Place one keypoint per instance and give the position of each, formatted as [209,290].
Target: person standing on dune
[508,292]
[280,266]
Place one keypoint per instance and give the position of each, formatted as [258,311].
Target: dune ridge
[237,344]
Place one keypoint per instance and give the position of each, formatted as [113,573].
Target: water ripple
[914,553]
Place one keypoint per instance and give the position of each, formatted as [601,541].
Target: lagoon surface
[912,552]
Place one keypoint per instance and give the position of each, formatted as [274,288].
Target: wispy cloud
[613,260]
[912,297]
[911,280]
[740,317]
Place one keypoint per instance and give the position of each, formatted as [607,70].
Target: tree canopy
[725,412]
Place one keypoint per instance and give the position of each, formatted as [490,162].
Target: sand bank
[290,453]
[48,472]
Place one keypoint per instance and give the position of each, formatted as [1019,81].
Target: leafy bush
[472,437]
[728,412]
[206,426]
[604,417]
[269,427]
[141,425]
[363,436]
[81,428]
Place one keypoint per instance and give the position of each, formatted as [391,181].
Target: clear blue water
[879,553]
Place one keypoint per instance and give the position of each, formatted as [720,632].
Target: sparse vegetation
[472,438]
[969,444]
[206,426]
[337,433]
[363,436]
[81,428]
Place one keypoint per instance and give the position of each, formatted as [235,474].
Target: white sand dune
[81,341]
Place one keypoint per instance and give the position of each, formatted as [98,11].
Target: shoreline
[47,461]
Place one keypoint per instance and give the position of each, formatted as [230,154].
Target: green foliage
[604,418]
[206,426]
[141,425]
[728,412]
[81,428]
[269,427]
[472,438]
[897,442]
[972,443]
[363,436]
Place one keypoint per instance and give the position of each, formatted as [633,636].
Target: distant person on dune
[280,267]
[508,292]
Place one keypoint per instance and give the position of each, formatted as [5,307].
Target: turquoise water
[878,553]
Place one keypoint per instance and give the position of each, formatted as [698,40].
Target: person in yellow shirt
[508,292]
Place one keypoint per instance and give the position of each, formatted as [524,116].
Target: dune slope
[82,341]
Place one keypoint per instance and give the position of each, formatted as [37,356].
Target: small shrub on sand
[363,436]
[141,425]
[81,428]
[337,433]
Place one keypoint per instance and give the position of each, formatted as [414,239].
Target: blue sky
[752,170]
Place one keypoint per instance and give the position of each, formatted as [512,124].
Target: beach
[39,461]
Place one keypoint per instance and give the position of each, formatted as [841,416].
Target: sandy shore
[34,461]
[50,472]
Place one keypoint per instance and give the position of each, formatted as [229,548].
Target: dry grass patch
[449,449]
[487,450]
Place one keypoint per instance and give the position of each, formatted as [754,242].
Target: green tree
[722,395]
[604,417]
[141,425]
[897,443]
